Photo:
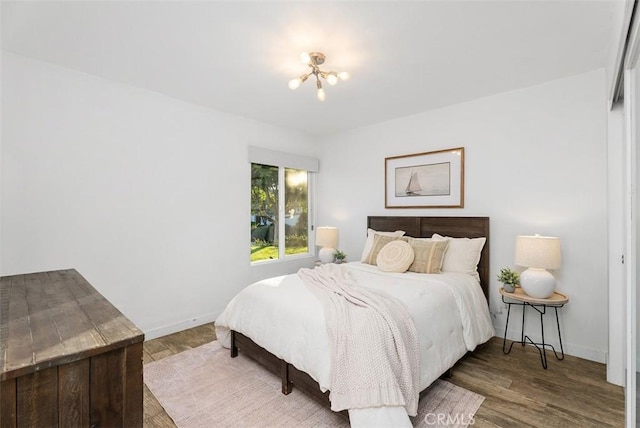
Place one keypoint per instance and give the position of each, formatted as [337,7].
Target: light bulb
[321,95]
[332,79]
[305,57]
[344,75]
[294,83]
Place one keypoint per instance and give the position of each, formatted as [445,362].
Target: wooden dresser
[68,357]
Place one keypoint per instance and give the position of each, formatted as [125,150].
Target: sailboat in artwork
[413,188]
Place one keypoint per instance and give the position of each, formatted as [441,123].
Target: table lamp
[327,238]
[538,253]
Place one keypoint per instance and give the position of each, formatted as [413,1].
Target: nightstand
[519,298]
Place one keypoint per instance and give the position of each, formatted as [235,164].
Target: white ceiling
[237,57]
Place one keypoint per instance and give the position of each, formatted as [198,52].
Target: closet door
[631,208]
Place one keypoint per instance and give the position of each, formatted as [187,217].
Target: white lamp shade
[327,236]
[540,252]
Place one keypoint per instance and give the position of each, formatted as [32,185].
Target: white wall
[536,162]
[145,195]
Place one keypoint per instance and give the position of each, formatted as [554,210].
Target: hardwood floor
[518,391]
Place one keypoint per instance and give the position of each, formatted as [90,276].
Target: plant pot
[509,288]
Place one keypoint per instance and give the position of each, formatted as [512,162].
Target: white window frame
[283,161]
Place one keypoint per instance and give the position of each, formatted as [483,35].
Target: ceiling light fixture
[315,60]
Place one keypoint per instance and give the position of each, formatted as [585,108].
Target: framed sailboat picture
[425,180]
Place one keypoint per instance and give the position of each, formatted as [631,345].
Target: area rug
[205,387]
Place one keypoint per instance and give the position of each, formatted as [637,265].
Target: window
[281,189]
[270,220]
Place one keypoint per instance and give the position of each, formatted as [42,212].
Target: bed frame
[418,227]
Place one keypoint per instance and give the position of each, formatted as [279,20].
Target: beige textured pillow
[396,256]
[463,254]
[371,234]
[429,255]
[379,241]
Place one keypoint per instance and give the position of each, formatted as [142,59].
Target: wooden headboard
[456,227]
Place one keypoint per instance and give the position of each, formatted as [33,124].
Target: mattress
[283,316]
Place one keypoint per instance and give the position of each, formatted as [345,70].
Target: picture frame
[425,180]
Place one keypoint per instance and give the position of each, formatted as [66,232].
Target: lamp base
[327,255]
[537,283]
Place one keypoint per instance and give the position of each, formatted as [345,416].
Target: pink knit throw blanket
[374,343]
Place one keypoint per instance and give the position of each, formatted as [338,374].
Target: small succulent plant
[340,256]
[508,276]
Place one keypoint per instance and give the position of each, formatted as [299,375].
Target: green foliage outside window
[264,212]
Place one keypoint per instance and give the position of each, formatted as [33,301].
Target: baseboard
[572,349]
[179,326]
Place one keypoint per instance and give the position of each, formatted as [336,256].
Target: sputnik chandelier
[315,60]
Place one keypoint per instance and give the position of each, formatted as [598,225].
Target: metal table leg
[540,346]
[559,335]
[506,328]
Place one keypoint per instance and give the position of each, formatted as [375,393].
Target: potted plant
[510,278]
[340,256]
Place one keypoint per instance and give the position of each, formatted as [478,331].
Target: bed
[280,324]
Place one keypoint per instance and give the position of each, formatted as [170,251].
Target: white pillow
[462,255]
[396,256]
[368,245]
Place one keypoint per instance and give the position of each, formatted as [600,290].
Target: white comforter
[281,315]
